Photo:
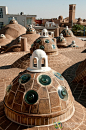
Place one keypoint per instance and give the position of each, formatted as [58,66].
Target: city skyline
[45,8]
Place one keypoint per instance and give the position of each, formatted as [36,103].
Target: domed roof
[78,41]
[45,43]
[30,39]
[38,95]
[67,32]
[79,20]
[31,30]
[84,20]
[13,21]
[60,17]
[12,31]
[61,41]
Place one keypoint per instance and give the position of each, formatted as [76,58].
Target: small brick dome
[13,21]
[79,21]
[31,30]
[38,97]
[60,17]
[67,32]
[45,43]
[61,41]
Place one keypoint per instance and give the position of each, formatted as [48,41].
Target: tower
[72,8]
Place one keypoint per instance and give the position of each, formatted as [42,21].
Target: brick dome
[13,21]
[60,17]
[12,31]
[79,21]
[61,41]
[38,96]
[31,30]
[67,32]
[45,43]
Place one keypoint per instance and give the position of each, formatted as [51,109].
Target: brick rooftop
[68,71]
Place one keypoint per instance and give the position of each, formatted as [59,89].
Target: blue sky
[45,8]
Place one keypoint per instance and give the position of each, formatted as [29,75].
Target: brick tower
[72,8]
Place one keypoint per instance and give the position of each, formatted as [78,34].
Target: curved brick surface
[78,41]
[77,122]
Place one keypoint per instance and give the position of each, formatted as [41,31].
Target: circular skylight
[31,97]
[62,93]
[44,79]
[24,78]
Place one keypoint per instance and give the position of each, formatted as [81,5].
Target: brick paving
[9,58]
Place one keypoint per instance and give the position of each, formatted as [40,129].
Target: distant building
[69,21]
[38,22]
[22,19]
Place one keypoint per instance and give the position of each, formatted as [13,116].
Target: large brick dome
[32,97]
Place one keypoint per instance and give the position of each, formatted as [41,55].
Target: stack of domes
[30,35]
[10,32]
[44,42]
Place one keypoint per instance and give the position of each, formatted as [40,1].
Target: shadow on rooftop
[84,51]
[69,74]
[5,67]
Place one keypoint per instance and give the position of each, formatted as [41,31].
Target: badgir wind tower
[72,9]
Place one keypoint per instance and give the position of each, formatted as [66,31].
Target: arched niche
[35,62]
[43,62]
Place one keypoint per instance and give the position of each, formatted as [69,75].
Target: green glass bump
[31,97]
[8,88]
[24,78]
[47,41]
[52,40]
[62,92]
[44,80]
[61,40]
[59,76]
[32,45]
[42,47]
[38,40]
[53,46]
